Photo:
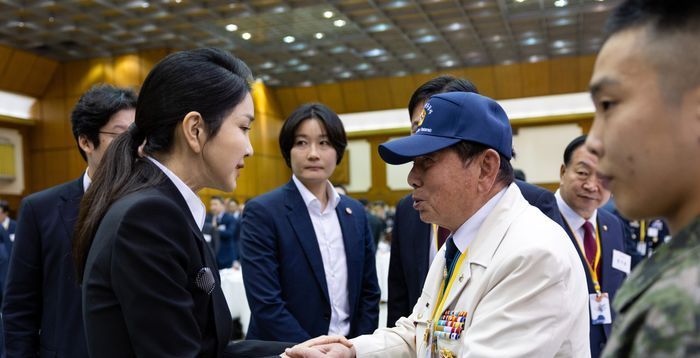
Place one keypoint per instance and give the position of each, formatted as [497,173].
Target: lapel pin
[348,210]
[605,227]
[461,277]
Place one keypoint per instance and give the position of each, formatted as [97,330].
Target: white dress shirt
[195,205]
[573,219]
[464,235]
[86,181]
[332,247]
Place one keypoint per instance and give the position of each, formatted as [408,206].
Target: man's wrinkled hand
[323,346]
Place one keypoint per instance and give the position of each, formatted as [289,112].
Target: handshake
[323,346]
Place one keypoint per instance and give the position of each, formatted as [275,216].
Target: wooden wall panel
[17,70]
[25,73]
[508,81]
[287,99]
[378,94]
[5,55]
[38,79]
[401,90]
[80,76]
[127,70]
[535,79]
[564,77]
[332,96]
[483,78]
[355,96]
[148,59]
[306,95]
[585,70]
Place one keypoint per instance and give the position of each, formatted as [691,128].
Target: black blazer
[42,308]
[410,249]
[140,297]
[283,268]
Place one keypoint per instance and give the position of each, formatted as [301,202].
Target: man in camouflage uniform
[646,134]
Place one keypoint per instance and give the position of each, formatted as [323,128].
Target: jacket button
[326,317]
[420,315]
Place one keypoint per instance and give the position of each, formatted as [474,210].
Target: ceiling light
[558,44]
[288,39]
[455,26]
[508,62]
[449,63]
[246,35]
[231,27]
[426,39]
[145,5]
[306,84]
[396,4]
[319,35]
[536,58]
[298,46]
[362,67]
[293,62]
[400,73]
[178,1]
[378,28]
[328,14]
[338,49]
[374,52]
[302,68]
[531,41]
[267,65]
[561,3]
[339,23]
[519,0]
[409,56]
[346,74]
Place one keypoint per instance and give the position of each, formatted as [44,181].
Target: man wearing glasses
[42,311]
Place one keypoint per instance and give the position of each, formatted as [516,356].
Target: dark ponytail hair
[209,81]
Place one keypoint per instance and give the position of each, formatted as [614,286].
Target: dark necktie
[451,254]
[589,244]
[442,236]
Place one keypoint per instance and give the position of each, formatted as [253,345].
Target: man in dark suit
[597,234]
[42,307]
[415,243]
[9,225]
[228,228]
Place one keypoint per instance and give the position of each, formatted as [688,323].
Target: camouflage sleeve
[668,321]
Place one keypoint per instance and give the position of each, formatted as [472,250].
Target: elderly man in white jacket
[508,282]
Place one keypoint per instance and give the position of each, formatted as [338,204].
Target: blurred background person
[307,252]
[42,312]
[228,228]
[646,91]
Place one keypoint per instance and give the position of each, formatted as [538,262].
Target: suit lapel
[219,307]
[69,205]
[354,251]
[300,221]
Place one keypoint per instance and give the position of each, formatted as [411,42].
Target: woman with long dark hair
[151,287]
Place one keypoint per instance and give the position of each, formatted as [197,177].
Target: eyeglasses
[112,134]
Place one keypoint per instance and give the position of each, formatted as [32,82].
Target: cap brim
[403,150]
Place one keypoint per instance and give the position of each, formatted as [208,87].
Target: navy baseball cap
[449,118]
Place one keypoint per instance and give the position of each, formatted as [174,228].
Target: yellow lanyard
[592,269]
[443,293]
[642,231]
[435,237]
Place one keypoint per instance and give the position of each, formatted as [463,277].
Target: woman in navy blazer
[306,252]
[150,284]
